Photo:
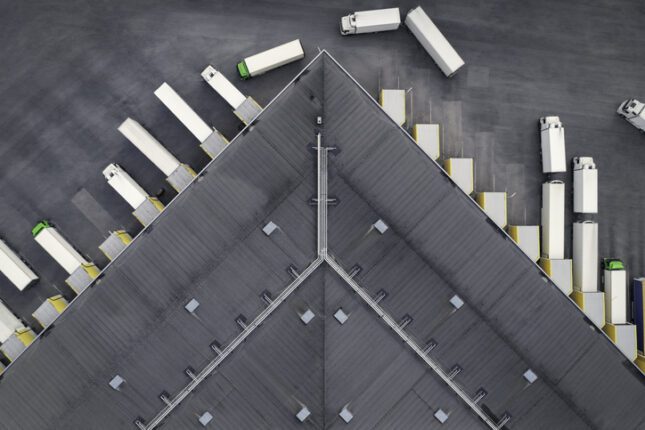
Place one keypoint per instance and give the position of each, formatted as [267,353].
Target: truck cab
[634,112]
[348,24]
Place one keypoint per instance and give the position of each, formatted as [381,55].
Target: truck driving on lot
[634,112]
[552,141]
[370,21]
[433,41]
[270,59]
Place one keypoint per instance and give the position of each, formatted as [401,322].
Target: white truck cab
[370,21]
[633,111]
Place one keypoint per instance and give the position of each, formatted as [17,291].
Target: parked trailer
[527,238]
[634,112]
[270,59]
[12,266]
[427,137]
[494,204]
[593,306]
[552,142]
[461,172]
[49,310]
[370,21]
[245,108]
[9,323]
[177,174]
[184,113]
[146,208]
[433,41]
[615,283]
[638,295]
[585,185]
[553,220]
[393,103]
[585,256]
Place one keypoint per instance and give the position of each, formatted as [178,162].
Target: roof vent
[192,306]
[346,415]
[205,418]
[116,382]
[432,344]
[380,295]
[307,316]
[454,371]
[502,421]
[456,301]
[341,316]
[303,414]
[266,297]
[441,416]
[269,228]
[216,346]
[380,226]
[530,376]
[405,321]
[480,394]
[241,321]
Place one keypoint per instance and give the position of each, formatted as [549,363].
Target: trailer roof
[445,268]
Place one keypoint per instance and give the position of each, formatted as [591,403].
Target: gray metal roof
[209,245]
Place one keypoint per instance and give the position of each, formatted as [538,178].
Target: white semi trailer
[585,185]
[433,41]
[177,174]
[146,208]
[270,59]
[245,108]
[554,157]
[9,323]
[12,266]
[634,112]
[211,140]
[370,21]
[585,256]
[553,220]
[615,283]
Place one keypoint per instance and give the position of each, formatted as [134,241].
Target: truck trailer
[12,266]
[553,220]
[427,137]
[146,208]
[433,41]
[9,323]
[585,256]
[370,21]
[177,174]
[615,283]
[634,112]
[552,143]
[270,59]
[393,103]
[245,108]
[585,185]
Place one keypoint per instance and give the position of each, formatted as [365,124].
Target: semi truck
[270,59]
[9,323]
[552,142]
[177,174]
[146,208]
[427,137]
[585,185]
[461,172]
[615,283]
[16,270]
[245,108]
[494,204]
[393,103]
[553,220]
[370,21]
[585,256]
[634,112]
[433,41]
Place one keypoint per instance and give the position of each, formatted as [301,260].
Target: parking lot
[73,71]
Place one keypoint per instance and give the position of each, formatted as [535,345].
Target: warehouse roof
[474,316]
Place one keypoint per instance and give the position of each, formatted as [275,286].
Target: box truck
[494,204]
[634,112]
[553,220]
[9,323]
[585,185]
[552,142]
[270,59]
[460,171]
[615,283]
[245,108]
[527,238]
[638,295]
[427,137]
[177,174]
[433,41]
[49,310]
[146,208]
[393,103]
[12,266]
[585,256]
[370,21]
